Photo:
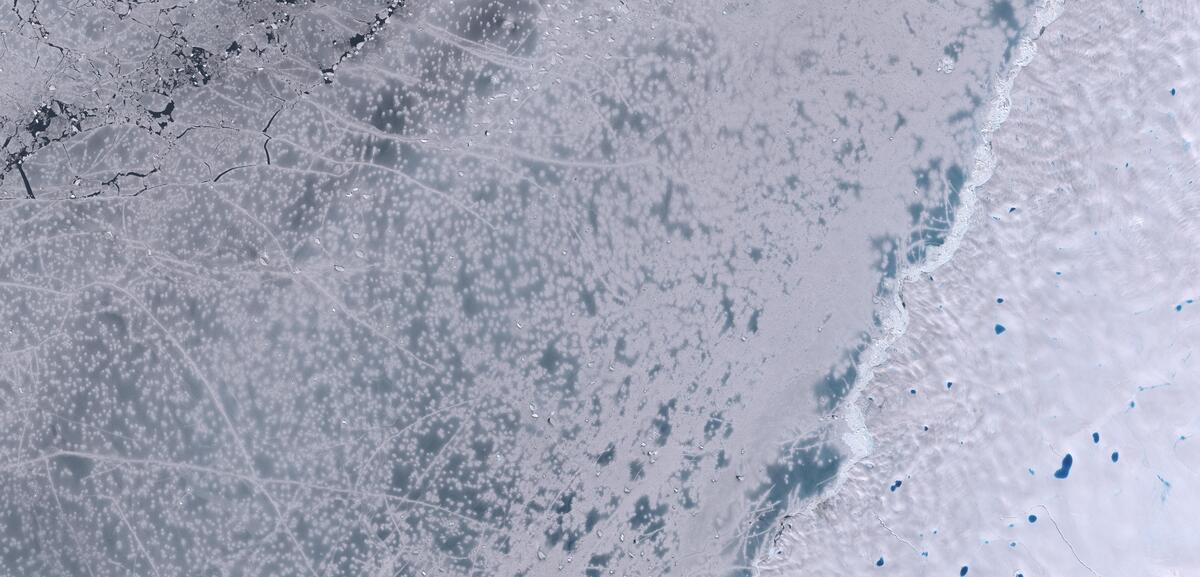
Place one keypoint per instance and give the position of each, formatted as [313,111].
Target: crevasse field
[636,288]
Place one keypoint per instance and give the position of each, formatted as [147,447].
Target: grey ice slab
[480,288]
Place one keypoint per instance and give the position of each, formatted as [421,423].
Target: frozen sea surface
[1066,443]
[478,287]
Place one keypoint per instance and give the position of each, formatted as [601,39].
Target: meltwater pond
[455,288]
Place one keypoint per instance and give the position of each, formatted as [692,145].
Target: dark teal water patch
[662,421]
[596,565]
[932,223]
[1003,13]
[649,521]
[714,424]
[637,470]
[1065,469]
[923,177]
[607,456]
[836,384]
[648,518]
[800,472]
[752,325]
[887,262]
[593,516]
[727,310]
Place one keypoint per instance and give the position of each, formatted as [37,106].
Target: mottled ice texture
[1068,444]
[460,288]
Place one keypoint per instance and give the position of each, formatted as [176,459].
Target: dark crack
[358,40]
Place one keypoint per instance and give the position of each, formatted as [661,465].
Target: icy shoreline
[1039,416]
[858,437]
